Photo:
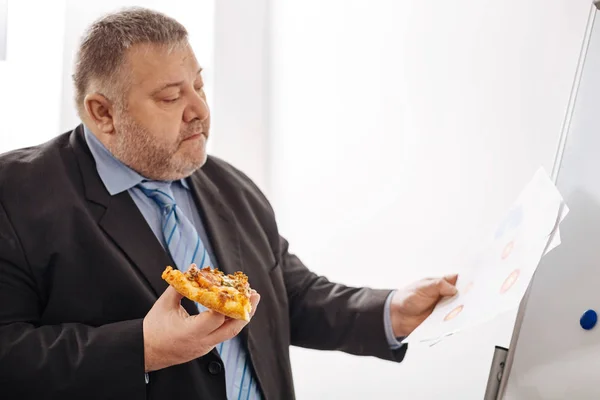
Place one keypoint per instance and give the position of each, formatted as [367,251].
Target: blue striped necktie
[185,246]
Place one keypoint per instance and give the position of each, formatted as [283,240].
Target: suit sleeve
[61,360]
[330,316]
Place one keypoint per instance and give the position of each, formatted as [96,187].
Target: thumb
[452,278]
[446,288]
[170,298]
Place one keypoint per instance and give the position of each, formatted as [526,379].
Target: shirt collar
[116,176]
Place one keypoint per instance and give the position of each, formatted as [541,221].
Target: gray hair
[101,54]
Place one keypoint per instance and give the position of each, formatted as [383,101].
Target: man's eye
[173,100]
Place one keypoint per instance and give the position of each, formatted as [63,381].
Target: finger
[452,278]
[230,329]
[445,288]
[205,323]
[183,311]
[170,298]
[254,300]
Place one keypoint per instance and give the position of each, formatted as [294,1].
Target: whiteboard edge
[566,126]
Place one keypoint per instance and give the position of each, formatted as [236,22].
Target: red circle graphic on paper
[507,250]
[453,313]
[509,281]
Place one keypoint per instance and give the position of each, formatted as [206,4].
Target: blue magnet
[588,319]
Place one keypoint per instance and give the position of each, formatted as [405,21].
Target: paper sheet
[503,269]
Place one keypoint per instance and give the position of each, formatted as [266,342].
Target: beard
[135,147]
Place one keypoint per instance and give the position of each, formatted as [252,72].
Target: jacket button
[214,367]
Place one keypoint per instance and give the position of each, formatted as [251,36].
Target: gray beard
[135,148]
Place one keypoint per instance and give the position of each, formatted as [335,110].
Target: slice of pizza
[225,294]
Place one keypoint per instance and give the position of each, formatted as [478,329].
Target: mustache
[194,128]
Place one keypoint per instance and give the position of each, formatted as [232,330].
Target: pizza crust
[222,299]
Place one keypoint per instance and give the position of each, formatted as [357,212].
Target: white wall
[3,12]
[30,77]
[240,108]
[401,131]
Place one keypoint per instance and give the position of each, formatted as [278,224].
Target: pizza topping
[204,277]
[227,281]
[208,278]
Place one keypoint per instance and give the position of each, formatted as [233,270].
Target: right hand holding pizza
[172,336]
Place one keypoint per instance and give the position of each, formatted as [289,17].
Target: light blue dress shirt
[117,178]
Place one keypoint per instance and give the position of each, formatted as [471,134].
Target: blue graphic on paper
[511,222]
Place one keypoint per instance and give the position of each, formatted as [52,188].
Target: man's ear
[100,112]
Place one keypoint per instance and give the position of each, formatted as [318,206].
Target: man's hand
[172,336]
[412,305]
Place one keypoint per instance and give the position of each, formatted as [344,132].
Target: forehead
[149,65]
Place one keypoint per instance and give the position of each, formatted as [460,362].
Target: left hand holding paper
[413,304]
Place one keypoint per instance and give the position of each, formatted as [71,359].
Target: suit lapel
[127,227]
[221,227]
[138,242]
[219,221]
[224,234]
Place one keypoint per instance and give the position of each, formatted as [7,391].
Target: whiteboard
[551,355]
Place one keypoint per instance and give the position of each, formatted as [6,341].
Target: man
[89,220]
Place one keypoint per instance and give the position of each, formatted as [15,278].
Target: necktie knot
[160,193]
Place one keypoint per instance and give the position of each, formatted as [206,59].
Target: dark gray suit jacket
[79,270]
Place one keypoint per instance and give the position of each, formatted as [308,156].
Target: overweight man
[84,313]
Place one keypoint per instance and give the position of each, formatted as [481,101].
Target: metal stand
[496,372]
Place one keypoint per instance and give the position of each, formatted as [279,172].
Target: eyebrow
[171,84]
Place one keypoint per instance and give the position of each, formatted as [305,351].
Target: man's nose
[196,109]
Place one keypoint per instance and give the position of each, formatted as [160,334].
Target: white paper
[555,239]
[503,269]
